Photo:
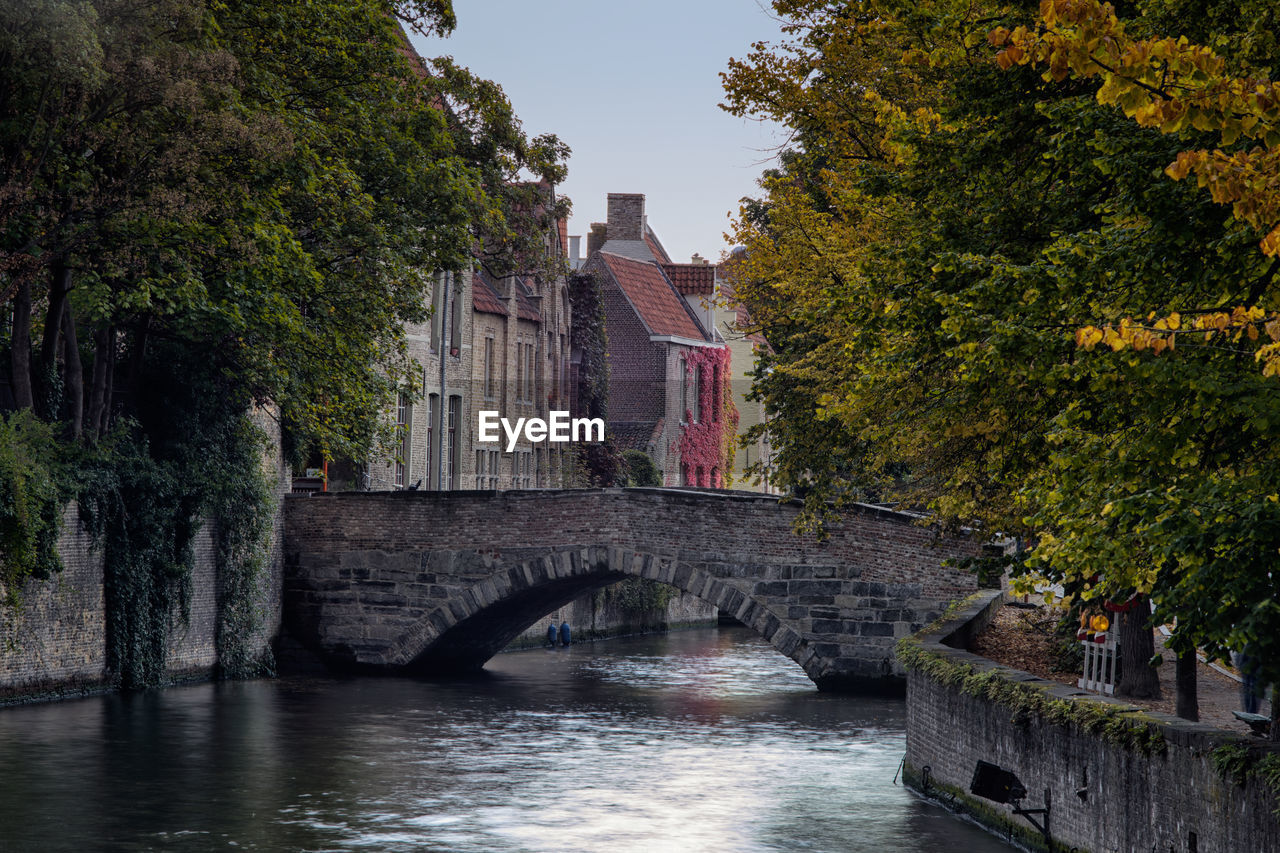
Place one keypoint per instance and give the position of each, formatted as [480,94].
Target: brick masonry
[54,642]
[1173,801]
[419,582]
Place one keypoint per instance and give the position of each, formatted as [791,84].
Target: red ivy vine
[707,448]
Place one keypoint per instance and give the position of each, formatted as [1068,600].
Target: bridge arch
[422,581]
[485,617]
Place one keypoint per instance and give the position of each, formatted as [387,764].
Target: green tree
[922,262]
[223,205]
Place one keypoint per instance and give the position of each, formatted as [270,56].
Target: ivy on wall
[707,446]
[33,492]
[639,469]
[639,597]
[189,456]
[599,463]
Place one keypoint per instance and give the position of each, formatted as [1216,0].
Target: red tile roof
[659,306]
[484,298]
[655,246]
[526,308]
[692,279]
[487,298]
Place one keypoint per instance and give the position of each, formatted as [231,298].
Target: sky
[632,87]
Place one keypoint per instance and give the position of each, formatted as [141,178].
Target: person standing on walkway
[1248,669]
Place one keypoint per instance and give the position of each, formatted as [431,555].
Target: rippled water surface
[699,741]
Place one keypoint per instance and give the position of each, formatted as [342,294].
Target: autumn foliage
[1017,266]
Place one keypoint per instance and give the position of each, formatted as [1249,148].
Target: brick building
[491,343]
[520,356]
[658,317]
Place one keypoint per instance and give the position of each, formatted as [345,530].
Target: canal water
[703,740]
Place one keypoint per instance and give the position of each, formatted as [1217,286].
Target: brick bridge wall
[421,581]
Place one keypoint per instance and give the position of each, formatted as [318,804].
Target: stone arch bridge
[422,582]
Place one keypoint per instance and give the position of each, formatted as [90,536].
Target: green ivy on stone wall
[640,596]
[597,463]
[1237,762]
[192,457]
[33,492]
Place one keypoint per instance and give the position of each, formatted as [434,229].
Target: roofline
[689,342]
[617,284]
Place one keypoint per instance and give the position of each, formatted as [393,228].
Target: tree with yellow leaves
[926,258]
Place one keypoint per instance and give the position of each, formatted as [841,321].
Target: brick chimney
[626,216]
[599,234]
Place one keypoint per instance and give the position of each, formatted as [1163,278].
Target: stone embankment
[1116,778]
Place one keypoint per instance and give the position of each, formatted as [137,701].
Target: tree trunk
[102,339]
[46,369]
[137,358]
[73,385]
[20,346]
[59,287]
[1137,646]
[108,391]
[1187,703]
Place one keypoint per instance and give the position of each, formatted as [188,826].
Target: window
[402,446]
[480,455]
[494,458]
[519,370]
[437,308]
[697,397]
[455,323]
[433,412]
[717,393]
[684,390]
[488,368]
[528,468]
[529,371]
[537,468]
[562,371]
[455,404]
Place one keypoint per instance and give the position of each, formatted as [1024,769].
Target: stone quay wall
[54,643]
[1104,797]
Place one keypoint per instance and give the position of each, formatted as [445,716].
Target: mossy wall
[1119,778]
[53,641]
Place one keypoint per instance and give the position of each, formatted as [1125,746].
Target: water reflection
[704,740]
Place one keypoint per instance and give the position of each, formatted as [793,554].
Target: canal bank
[1115,777]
